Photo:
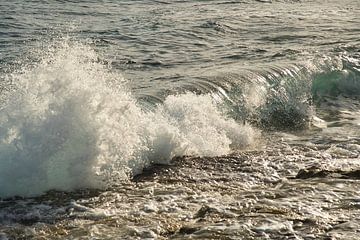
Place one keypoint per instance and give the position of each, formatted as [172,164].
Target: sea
[180,119]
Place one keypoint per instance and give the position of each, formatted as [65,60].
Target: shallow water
[296,188]
[179,119]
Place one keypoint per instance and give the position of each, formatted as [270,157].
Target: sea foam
[70,122]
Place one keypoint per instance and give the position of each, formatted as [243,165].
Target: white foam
[70,123]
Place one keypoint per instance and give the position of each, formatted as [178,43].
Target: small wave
[341,81]
[217,26]
[69,122]
[284,97]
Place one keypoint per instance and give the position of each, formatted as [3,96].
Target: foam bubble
[70,122]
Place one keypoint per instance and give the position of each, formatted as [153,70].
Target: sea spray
[69,122]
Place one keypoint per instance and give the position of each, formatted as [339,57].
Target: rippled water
[179,119]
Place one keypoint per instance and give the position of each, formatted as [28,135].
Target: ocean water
[180,119]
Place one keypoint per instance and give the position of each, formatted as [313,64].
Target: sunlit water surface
[180,119]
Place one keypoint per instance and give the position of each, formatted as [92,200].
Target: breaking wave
[68,121]
[285,97]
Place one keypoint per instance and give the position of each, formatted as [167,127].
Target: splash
[70,122]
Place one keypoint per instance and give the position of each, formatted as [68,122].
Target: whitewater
[70,123]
